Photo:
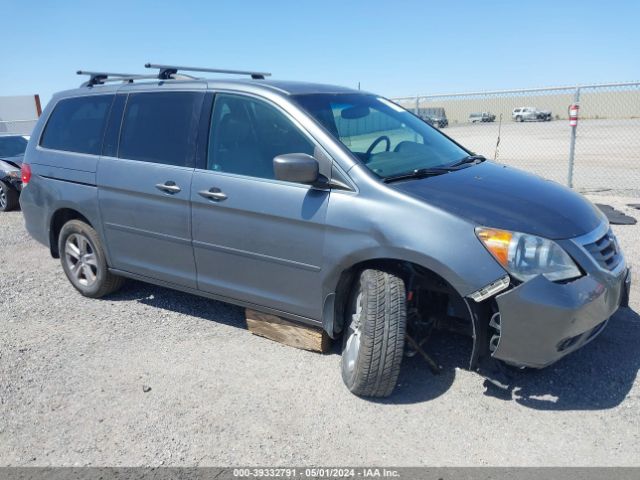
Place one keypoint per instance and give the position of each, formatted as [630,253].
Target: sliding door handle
[169,187]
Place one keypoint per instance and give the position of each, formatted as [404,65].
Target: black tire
[371,368]
[86,268]
[8,197]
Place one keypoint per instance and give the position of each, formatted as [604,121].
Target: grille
[605,251]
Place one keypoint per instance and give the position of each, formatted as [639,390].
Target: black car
[434,116]
[12,149]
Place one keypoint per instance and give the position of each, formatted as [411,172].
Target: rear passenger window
[77,124]
[161,127]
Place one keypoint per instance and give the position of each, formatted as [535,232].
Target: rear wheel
[373,341]
[84,261]
[8,197]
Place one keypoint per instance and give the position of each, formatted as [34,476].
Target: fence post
[572,144]
[417,112]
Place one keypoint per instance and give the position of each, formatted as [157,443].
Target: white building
[18,114]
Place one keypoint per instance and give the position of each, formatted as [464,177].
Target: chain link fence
[530,129]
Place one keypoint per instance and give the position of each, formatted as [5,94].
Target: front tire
[8,197]
[373,341]
[84,261]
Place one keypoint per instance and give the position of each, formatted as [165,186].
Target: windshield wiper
[418,173]
[468,159]
[433,171]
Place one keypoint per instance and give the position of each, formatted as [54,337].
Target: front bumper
[542,321]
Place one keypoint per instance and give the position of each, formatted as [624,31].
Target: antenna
[166,71]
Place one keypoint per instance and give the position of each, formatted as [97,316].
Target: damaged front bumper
[540,321]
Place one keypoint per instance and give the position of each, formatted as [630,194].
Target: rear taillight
[25,173]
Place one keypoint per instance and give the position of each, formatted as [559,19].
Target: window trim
[111,121]
[328,162]
[39,145]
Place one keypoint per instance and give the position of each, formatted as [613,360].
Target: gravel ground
[150,376]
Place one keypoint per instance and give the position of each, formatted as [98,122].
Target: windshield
[388,139]
[12,146]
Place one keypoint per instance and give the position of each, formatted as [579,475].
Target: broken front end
[558,296]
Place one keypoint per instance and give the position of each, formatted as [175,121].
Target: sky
[393,48]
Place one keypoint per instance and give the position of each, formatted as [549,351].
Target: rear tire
[8,197]
[84,261]
[373,341]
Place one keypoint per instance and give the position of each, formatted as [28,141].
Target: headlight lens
[525,256]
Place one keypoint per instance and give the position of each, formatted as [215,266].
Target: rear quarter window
[77,124]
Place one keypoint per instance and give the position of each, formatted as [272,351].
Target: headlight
[525,256]
[14,173]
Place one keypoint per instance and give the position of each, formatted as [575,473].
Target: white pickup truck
[530,114]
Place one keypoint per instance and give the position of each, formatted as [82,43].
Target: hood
[15,161]
[493,195]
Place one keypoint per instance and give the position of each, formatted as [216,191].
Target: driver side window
[246,134]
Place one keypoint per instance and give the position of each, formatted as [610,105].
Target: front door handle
[213,194]
[169,187]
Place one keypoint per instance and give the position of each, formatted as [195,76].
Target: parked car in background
[530,114]
[12,148]
[482,117]
[375,227]
[434,116]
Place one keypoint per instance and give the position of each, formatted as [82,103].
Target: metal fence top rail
[522,90]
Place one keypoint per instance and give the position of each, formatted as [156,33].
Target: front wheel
[84,261]
[373,340]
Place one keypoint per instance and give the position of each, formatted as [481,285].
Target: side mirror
[296,167]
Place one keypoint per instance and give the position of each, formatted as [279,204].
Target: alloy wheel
[81,259]
[354,334]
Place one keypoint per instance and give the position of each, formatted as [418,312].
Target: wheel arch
[59,217]
[407,269]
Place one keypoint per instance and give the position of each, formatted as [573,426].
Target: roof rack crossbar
[166,71]
[98,78]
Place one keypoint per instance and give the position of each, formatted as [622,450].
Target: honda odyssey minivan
[327,206]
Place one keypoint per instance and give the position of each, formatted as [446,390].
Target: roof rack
[166,71]
[99,78]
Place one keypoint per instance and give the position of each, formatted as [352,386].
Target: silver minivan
[330,207]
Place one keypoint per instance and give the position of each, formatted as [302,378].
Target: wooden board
[280,330]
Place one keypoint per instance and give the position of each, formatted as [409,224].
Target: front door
[144,187]
[257,239]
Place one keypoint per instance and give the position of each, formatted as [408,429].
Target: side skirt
[220,298]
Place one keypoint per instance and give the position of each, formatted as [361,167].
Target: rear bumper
[34,211]
[541,321]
